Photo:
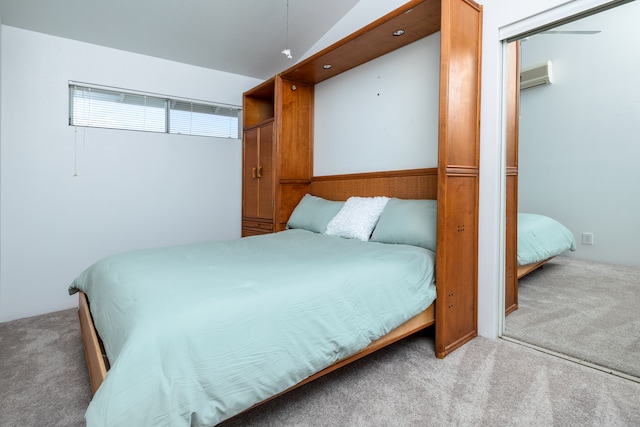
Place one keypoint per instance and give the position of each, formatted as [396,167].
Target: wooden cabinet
[258,195]
[277,166]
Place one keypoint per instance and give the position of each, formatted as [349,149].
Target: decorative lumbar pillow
[313,213]
[357,218]
[409,222]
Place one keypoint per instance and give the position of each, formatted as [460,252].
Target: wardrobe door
[250,187]
[258,180]
[265,172]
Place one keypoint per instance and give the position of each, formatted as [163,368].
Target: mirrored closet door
[576,137]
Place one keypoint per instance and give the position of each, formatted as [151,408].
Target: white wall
[579,145]
[380,125]
[133,189]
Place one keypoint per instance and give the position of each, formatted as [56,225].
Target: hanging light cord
[287,23]
[75,151]
[287,50]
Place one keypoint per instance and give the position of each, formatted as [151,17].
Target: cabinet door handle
[253,173]
[259,171]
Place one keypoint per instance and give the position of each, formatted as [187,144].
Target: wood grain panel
[250,183]
[523,270]
[458,175]
[460,84]
[511,247]
[294,134]
[456,264]
[257,104]
[513,103]
[404,184]
[511,221]
[95,363]
[266,171]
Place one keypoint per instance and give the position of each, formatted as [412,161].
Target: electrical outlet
[587,238]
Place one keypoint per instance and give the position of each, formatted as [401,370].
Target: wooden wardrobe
[278,143]
[277,162]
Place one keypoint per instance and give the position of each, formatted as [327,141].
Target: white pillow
[357,218]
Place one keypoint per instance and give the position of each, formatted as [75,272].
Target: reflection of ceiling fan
[571,32]
[556,32]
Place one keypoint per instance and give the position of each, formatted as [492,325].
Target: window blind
[92,106]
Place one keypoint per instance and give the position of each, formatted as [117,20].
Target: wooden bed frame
[523,270]
[407,184]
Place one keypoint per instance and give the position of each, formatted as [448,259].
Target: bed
[454,182]
[199,333]
[540,238]
[140,376]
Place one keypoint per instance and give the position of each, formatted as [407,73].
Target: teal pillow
[313,213]
[409,222]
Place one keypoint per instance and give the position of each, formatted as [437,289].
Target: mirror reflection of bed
[540,239]
[576,141]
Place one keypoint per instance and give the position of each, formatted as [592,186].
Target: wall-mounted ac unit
[536,76]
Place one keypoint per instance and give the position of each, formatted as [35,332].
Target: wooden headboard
[403,184]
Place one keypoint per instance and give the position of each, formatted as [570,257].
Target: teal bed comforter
[196,334]
[541,237]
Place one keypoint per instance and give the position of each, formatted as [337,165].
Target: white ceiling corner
[237,36]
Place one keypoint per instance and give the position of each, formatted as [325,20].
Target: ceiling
[238,36]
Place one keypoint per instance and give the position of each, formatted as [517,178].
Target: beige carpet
[585,309]
[43,382]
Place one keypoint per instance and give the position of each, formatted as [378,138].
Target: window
[96,106]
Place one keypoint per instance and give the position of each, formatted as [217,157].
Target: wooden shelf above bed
[417,19]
